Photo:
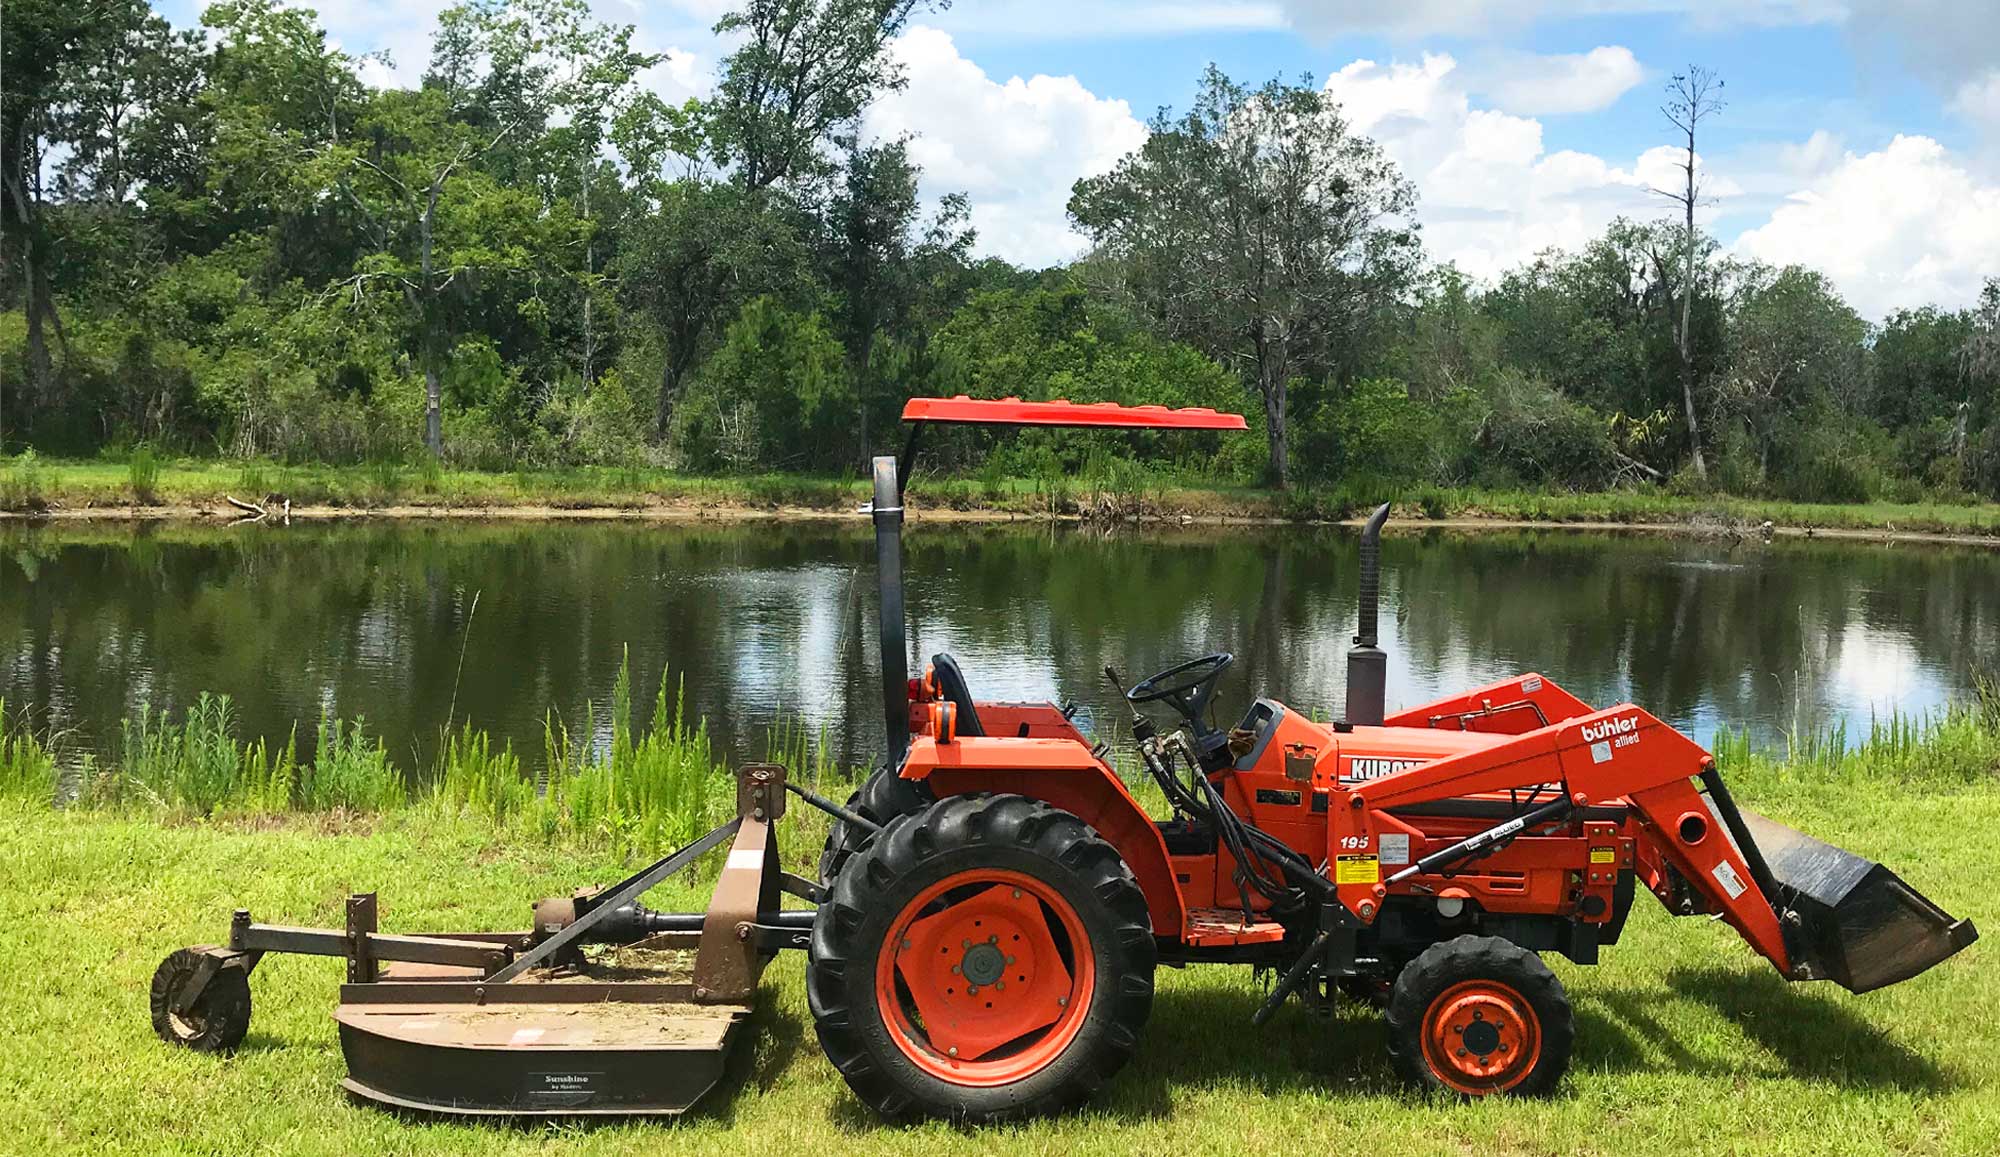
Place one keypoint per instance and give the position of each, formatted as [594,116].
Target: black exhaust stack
[1367,664]
[887,511]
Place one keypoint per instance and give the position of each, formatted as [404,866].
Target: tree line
[225,241]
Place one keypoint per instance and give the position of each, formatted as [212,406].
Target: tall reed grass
[197,765]
[610,783]
[1954,746]
[27,761]
[605,782]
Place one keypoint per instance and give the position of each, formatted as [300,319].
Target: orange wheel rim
[985,977]
[1481,1036]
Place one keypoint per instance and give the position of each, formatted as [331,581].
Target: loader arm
[1508,707]
[1621,754]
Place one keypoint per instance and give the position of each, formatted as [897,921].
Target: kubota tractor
[994,901]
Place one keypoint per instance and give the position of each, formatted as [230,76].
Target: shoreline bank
[60,492]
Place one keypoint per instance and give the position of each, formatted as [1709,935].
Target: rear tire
[218,1018]
[882,797]
[1480,1016]
[1029,1021]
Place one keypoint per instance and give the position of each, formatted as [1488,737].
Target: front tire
[1480,1016]
[989,958]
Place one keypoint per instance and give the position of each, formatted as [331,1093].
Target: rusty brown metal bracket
[731,953]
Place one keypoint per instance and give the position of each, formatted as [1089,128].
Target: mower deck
[611,1049]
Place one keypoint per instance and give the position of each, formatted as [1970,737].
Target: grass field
[189,486]
[1687,1043]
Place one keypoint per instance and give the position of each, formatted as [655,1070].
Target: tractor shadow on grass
[1200,1039]
[1806,1035]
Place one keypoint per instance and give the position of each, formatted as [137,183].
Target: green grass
[27,763]
[1687,1043]
[1107,489]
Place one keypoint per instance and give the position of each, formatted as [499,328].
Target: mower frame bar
[618,897]
[741,927]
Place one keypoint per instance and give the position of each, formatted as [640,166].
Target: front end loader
[994,901]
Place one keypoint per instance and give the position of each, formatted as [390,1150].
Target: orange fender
[1062,773]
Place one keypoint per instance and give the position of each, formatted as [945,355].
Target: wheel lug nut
[1461,1052]
[965,944]
[1017,893]
[993,939]
[1062,1002]
[1000,985]
[952,1051]
[1010,960]
[954,970]
[972,990]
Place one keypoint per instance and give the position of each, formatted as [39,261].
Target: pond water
[414,624]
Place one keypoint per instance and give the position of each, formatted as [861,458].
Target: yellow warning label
[1356,870]
[1604,855]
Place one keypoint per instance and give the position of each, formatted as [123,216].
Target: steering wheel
[1187,687]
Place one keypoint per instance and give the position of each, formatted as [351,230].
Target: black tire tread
[882,797]
[939,840]
[1479,958]
[222,1009]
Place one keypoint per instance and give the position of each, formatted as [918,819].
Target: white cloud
[1905,225]
[1463,18]
[1978,102]
[369,26]
[1490,195]
[679,75]
[1567,83]
[1015,148]
[1040,20]
[1901,226]
[1944,42]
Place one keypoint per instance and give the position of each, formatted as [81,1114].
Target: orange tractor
[994,901]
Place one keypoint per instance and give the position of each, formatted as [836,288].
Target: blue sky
[1861,137]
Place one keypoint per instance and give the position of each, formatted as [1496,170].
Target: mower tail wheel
[986,959]
[1479,1016]
[882,797]
[216,1019]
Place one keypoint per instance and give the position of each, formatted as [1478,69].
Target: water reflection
[766,619]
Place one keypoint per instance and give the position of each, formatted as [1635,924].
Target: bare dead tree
[1692,97]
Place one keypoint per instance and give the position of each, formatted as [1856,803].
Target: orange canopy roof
[1107,415]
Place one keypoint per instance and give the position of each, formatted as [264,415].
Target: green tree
[48,52]
[1599,325]
[1452,344]
[565,78]
[1259,228]
[1792,341]
[804,72]
[776,392]
[705,248]
[882,262]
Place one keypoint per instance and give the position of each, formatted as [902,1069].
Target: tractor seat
[951,684]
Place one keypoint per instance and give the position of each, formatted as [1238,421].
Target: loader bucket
[1863,927]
